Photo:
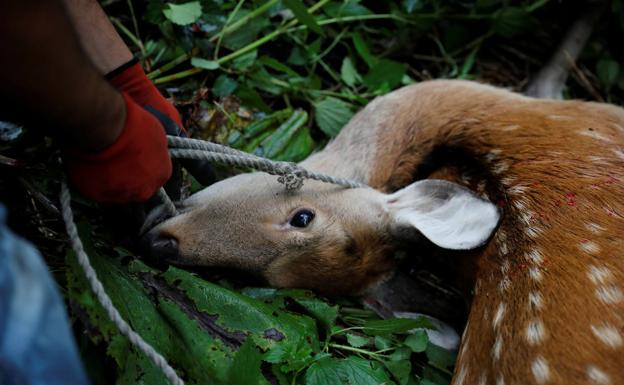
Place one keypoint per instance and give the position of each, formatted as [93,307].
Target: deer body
[548,298]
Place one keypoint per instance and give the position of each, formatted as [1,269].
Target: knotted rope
[290,175]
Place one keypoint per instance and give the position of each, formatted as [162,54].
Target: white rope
[290,174]
[103,298]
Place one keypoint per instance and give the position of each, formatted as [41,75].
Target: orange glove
[130,170]
[131,79]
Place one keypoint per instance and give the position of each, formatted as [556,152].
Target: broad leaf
[348,73]
[417,341]
[332,114]
[357,341]
[385,72]
[205,64]
[183,14]
[301,13]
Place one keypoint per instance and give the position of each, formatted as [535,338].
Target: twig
[550,80]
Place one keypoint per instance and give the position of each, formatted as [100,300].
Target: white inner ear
[447,214]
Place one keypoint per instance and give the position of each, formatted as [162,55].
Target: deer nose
[159,247]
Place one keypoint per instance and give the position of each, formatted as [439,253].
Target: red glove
[130,170]
[131,79]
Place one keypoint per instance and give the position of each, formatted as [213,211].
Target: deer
[530,190]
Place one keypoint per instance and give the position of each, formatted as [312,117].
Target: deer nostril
[160,247]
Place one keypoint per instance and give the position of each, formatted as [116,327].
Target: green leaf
[440,357]
[183,14]
[349,371]
[278,141]
[301,13]
[400,353]
[362,49]
[245,61]
[245,369]
[362,372]
[382,342]
[511,21]
[224,86]
[417,341]
[357,341]
[246,35]
[205,64]
[278,66]
[327,371]
[394,325]
[348,73]
[400,370]
[332,114]
[607,71]
[346,8]
[385,72]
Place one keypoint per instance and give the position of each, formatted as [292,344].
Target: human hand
[131,169]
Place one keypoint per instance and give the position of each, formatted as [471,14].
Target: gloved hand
[131,78]
[132,169]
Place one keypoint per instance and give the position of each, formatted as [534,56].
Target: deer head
[322,237]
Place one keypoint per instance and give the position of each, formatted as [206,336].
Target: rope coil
[290,175]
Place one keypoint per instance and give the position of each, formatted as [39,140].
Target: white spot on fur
[535,300]
[540,370]
[511,127]
[461,376]
[535,256]
[500,380]
[597,376]
[504,284]
[518,189]
[493,154]
[535,274]
[483,379]
[595,135]
[497,348]
[535,332]
[594,228]
[599,159]
[520,204]
[599,274]
[619,153]
[533,231]
[527,216]
[500,168]
[610,294]
[608,335]
[508,181]
[505,266]
[498,316]
[559,117]
[589,247]
[504,250]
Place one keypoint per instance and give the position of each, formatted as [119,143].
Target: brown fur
[556,168]
[548,306]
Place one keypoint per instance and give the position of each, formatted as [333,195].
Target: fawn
[547,302]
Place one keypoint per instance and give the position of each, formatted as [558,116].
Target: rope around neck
[290,174]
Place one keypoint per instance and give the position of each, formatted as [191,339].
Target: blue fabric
[36,343]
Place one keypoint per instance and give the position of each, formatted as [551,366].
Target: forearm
[47,79]
[98,37]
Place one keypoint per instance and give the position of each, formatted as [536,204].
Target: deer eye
[302,218]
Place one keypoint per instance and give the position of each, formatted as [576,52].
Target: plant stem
[135,40]
[355,350]
[242,51]
[244,20]
[166,67]
[229,19]
[136,28]
[176,76]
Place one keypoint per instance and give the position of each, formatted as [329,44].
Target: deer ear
[447,214]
